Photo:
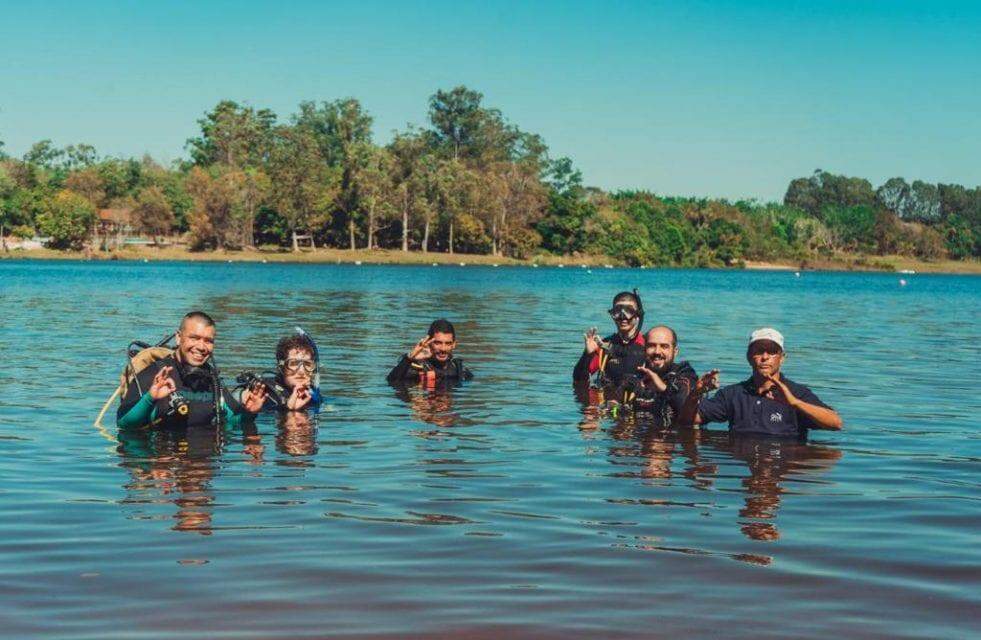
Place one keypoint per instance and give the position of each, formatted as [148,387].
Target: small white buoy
[463,264]
[608,266]
[589,270]
[643,266]
[435,265]
[496,265]
[796,274]
[264,261]
[145,260]
[357,262]
[902,282]
[561,266]
[229,262]
[582,266]
[535,265]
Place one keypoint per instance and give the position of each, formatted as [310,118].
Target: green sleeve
[234,419]
[142,414]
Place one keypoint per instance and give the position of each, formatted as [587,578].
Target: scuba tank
[140,355]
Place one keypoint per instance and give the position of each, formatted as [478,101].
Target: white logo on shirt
[776,417]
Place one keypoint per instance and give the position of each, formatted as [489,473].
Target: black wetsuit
[665,406]
[614,365]
[197,385]
[407,370]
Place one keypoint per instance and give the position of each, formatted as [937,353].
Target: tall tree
[375,188]
[457,118]
[303,187]
[341,129]
[233,135]
[408,151]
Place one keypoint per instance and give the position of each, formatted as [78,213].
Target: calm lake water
[500,509]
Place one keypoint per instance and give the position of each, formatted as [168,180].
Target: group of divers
[628,371]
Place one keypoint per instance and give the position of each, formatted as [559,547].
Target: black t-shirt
[747,412]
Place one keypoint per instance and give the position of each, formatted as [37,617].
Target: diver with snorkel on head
[295,384]
[618,356]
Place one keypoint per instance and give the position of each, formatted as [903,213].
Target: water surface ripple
[499,509]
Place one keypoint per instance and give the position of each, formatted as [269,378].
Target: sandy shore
[843,262]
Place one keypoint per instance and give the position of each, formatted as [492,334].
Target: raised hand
[707,382]
[593,341]
[421,351]
[254,397]
[653,378]
[163,385]
[299,398]
[778,388]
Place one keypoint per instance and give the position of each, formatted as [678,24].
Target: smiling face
[442,346]
[195,341]
[298,368]
[626,316]
[660,348]
[765,356]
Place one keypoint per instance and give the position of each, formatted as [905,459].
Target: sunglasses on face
[295,364]
[623,312]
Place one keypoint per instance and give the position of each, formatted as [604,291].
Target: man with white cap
[766,403]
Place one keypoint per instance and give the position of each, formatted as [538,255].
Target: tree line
[470,181]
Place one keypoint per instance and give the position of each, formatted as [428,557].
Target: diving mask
[295,364]
[621,312]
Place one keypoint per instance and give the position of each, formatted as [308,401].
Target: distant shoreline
[844,262]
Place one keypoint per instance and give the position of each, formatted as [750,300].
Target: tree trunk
[350,227]
[296,244]
[504,228]
[371,226]
[405,222]
[494,237]
[425,238]
[451,236]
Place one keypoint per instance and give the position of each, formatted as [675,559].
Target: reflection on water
[174,466]
[502,508]
[430,402]
[772,465]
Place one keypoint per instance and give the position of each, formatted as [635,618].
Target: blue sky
[685,98]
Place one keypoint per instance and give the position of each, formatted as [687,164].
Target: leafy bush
[67,219]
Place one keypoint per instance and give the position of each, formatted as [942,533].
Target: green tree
[43,154]
[822,190]
[376,192]
[303,187]
[153,213]
[67,219]
[409,152]
[457,118]
[341,130]
[233,135]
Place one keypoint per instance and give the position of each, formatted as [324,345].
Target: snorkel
[315,380]
[623,312]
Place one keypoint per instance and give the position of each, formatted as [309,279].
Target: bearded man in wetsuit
[616,357]
[431,359]
[183,388]
[662,385]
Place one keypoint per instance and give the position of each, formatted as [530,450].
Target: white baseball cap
[767,333]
